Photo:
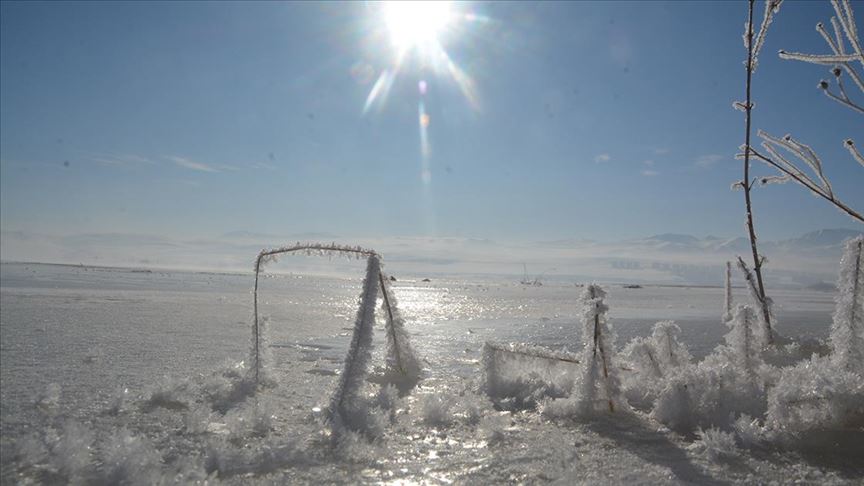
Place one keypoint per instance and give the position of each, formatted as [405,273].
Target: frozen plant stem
[598,344]
[746,183]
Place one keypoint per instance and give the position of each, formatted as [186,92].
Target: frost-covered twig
[764,303]
[790,171]
[271,255]
[400,353]
[845,31]
[748,116]
[598,370]
[727,315]
[532,351]
[357,360]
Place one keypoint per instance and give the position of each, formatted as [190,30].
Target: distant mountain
[820,239]
[826,239]
[675,238]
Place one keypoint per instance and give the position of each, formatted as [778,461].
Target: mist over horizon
[668,258]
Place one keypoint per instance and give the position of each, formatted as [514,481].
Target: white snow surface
[119,376]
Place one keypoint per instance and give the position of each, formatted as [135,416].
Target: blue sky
[601,121]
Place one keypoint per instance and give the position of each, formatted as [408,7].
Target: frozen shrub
[671,353]
[651,361]
[600,387]
[131,460]
[740,340]
[815,395]
[709,394]
[715,445]
[435,411]
[847,328]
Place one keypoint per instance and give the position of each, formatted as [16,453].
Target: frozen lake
[138,366]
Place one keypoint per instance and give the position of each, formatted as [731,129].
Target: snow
[142,378]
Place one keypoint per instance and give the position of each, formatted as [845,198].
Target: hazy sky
[558,120]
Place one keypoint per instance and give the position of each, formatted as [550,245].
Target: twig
[757,262]
[804,181]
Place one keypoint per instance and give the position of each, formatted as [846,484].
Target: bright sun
[416,23]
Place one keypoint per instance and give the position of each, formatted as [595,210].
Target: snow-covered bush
[815,395]
[727,383]
[827,393]
[651,361]
[518,376]
[599,388]
[847,328]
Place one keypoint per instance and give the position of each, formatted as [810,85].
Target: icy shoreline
[96,343]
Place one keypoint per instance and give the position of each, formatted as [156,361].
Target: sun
[416,23]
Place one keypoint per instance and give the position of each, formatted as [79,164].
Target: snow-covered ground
[112,375]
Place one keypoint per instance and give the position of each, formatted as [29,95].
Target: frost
[346,411]
[715,445]
[847,328]
[815,395]
[435,411]
[742,343]
[651,361]
[402,361]
[727,314]
[764,332]
[600,387]
[519,376]
[131,460]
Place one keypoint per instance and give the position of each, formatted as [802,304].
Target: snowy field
[114,375]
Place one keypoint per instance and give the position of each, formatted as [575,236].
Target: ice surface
[114,376]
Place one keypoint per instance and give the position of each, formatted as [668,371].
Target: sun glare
[416,23]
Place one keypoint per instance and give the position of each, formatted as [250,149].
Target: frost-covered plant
[715,445]
[727,383]
[727,314]
[745,352]
[815,395]
[402,361]
[753,48]
[347,410]
[271,255]
[765,333]
[518,376]
[806,167]
[651,362]
[600,386]
[709,394]
[847,328]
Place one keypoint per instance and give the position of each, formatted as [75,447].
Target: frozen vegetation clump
[715,445]
[519,376]
[651,361]
[727,383]
[847,328]
[826,393]
[600,387]
[402,364]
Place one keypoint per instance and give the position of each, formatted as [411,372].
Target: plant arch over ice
[400,354]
